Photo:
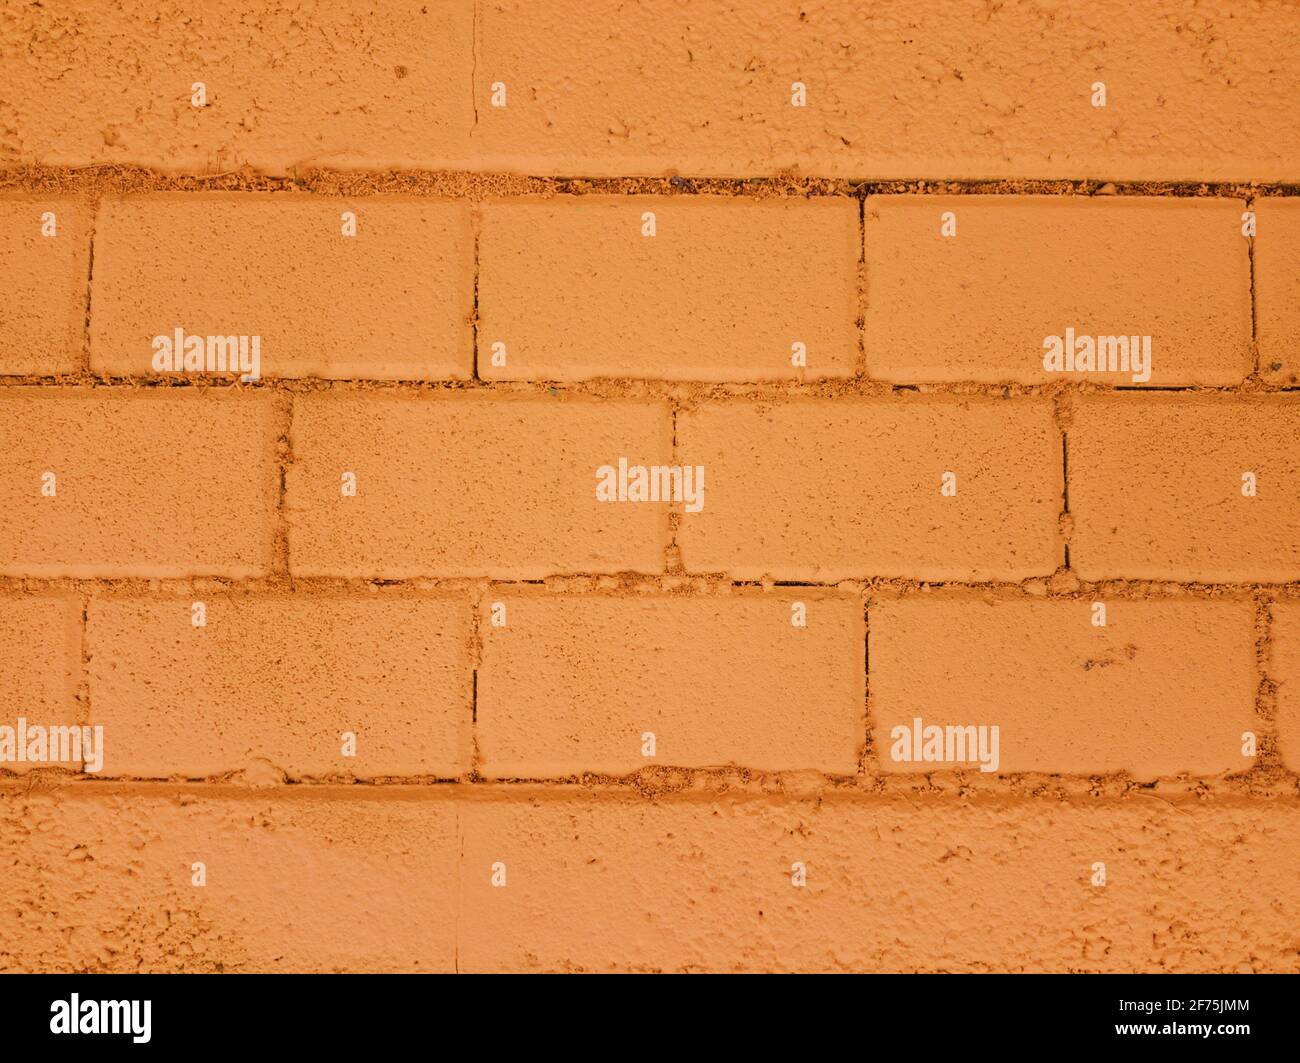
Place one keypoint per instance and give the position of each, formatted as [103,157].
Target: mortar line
[1065,495]
[84,712]
[1254,306]
[476,660]
[703,583]
[113,178]
[863,290]
[867,764]
[633,388]
[92,211]
[473,67]
[280,561]
[475,221]
[1269,770]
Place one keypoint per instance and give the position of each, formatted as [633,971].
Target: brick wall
[369,648]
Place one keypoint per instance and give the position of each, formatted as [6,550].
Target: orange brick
[40,666]
[1285,670]
[602,88]
[979,305]
[42,284]
[705,883]
[343,84]
[826,490]
[573,684]
[1164,688]
[725,288]
[1277,289]
[470,486]
[100,878]
[394,301]
[1156,486]
[146,483]
[277,681]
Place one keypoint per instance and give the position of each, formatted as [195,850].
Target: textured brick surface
[393,301]
[978,305]
[723,291]
[619,883]
[40,666]
[145,483]
[103,881]
[833,490]
[1163,688]
[962,90]
[269,686]
[779,696]
[530,492]
[350,83]
[922,884]
[1277,289]
[469,486]
[42,283]
[1156,488]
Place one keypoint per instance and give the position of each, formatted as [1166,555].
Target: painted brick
[40,667]
[1164,688]
[722,291]
[470,485]
[100,878]
[275,682]
[978,305]
[147,482]
[700,883]
[348,84]
[42,284]
[1277,289]
[393,301]
[572,684]
[599,88]
[1156,488]
[826,490]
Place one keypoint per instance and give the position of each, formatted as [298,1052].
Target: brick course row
[552,686]
[1194,91]
[728,289]
[101,878]
[391,484]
